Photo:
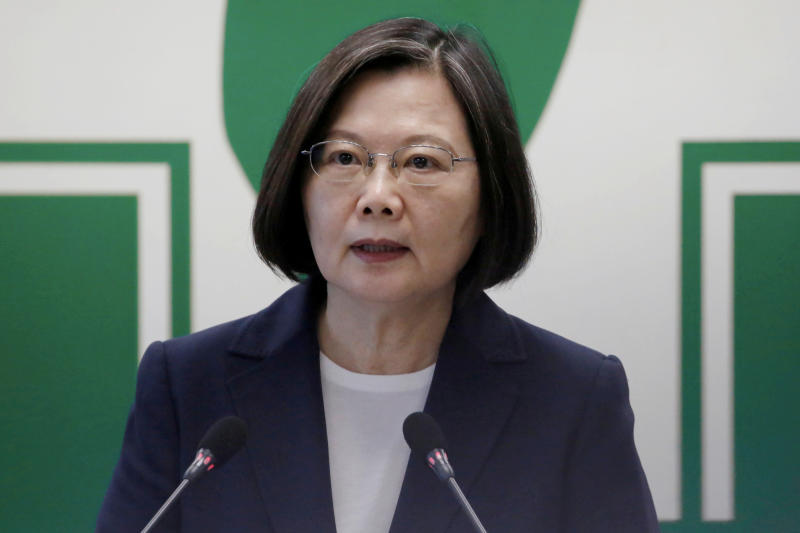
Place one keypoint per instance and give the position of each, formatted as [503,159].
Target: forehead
[389,107]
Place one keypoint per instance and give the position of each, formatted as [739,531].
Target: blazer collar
[471,398]
[480,322]
[293,314]
[275,386]
[274,383]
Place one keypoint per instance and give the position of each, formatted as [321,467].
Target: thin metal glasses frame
[371,155]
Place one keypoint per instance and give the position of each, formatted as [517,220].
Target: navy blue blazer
[539,430]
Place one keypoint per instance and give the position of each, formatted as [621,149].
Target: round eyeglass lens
[423,165]
[338,160]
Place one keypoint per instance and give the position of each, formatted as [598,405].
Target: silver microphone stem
[451,482]
[166,505]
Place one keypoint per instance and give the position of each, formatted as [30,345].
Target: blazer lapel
[275,386]
[276,389]
[472,402]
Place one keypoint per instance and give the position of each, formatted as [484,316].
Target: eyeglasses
[417,164]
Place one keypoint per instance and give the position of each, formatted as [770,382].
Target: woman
[399,187]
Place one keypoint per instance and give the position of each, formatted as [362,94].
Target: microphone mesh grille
[422,433]
[225,438]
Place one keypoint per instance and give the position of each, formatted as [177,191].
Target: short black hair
[462,56]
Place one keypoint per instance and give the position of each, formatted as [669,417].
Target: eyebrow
[430,139]
[412,139]
[344,135]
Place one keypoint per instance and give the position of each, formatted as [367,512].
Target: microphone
[221,442]
[424,436]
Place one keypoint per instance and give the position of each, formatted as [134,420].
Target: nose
[380,196]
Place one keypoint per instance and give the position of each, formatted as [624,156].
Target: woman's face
[378,239]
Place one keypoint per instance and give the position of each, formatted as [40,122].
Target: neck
[383,338]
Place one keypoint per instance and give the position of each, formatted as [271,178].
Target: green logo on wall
[271,46]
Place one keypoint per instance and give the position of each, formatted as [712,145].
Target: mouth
[381,251]
[378,248]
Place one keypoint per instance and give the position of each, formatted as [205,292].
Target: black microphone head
[224,438]
[422,433]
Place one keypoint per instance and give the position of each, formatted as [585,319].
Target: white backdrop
[639,79]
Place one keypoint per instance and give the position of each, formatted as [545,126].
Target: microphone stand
[451,482]
[157,516]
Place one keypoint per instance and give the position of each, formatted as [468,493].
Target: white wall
[639,78]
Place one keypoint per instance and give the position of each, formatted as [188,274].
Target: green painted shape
[107,426]
[176,155]
[270,47]
[767,361]
[69,283]
[694,155]
[682,526]
[690,367]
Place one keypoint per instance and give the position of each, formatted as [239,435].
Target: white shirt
[364,416]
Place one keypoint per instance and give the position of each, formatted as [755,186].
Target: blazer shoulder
[550,353]
[214,339]
[256,335]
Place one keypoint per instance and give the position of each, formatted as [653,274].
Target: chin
[378,292]
[392,291]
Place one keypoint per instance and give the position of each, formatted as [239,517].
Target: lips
[372,251]
[377,248]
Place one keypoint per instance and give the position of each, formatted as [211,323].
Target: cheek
[466,210]
[452,227]
[325,217]
[470,232]
[470,227]
[312,213]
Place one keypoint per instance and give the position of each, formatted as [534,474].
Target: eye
[425,160]
[344,158]
[421,162]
